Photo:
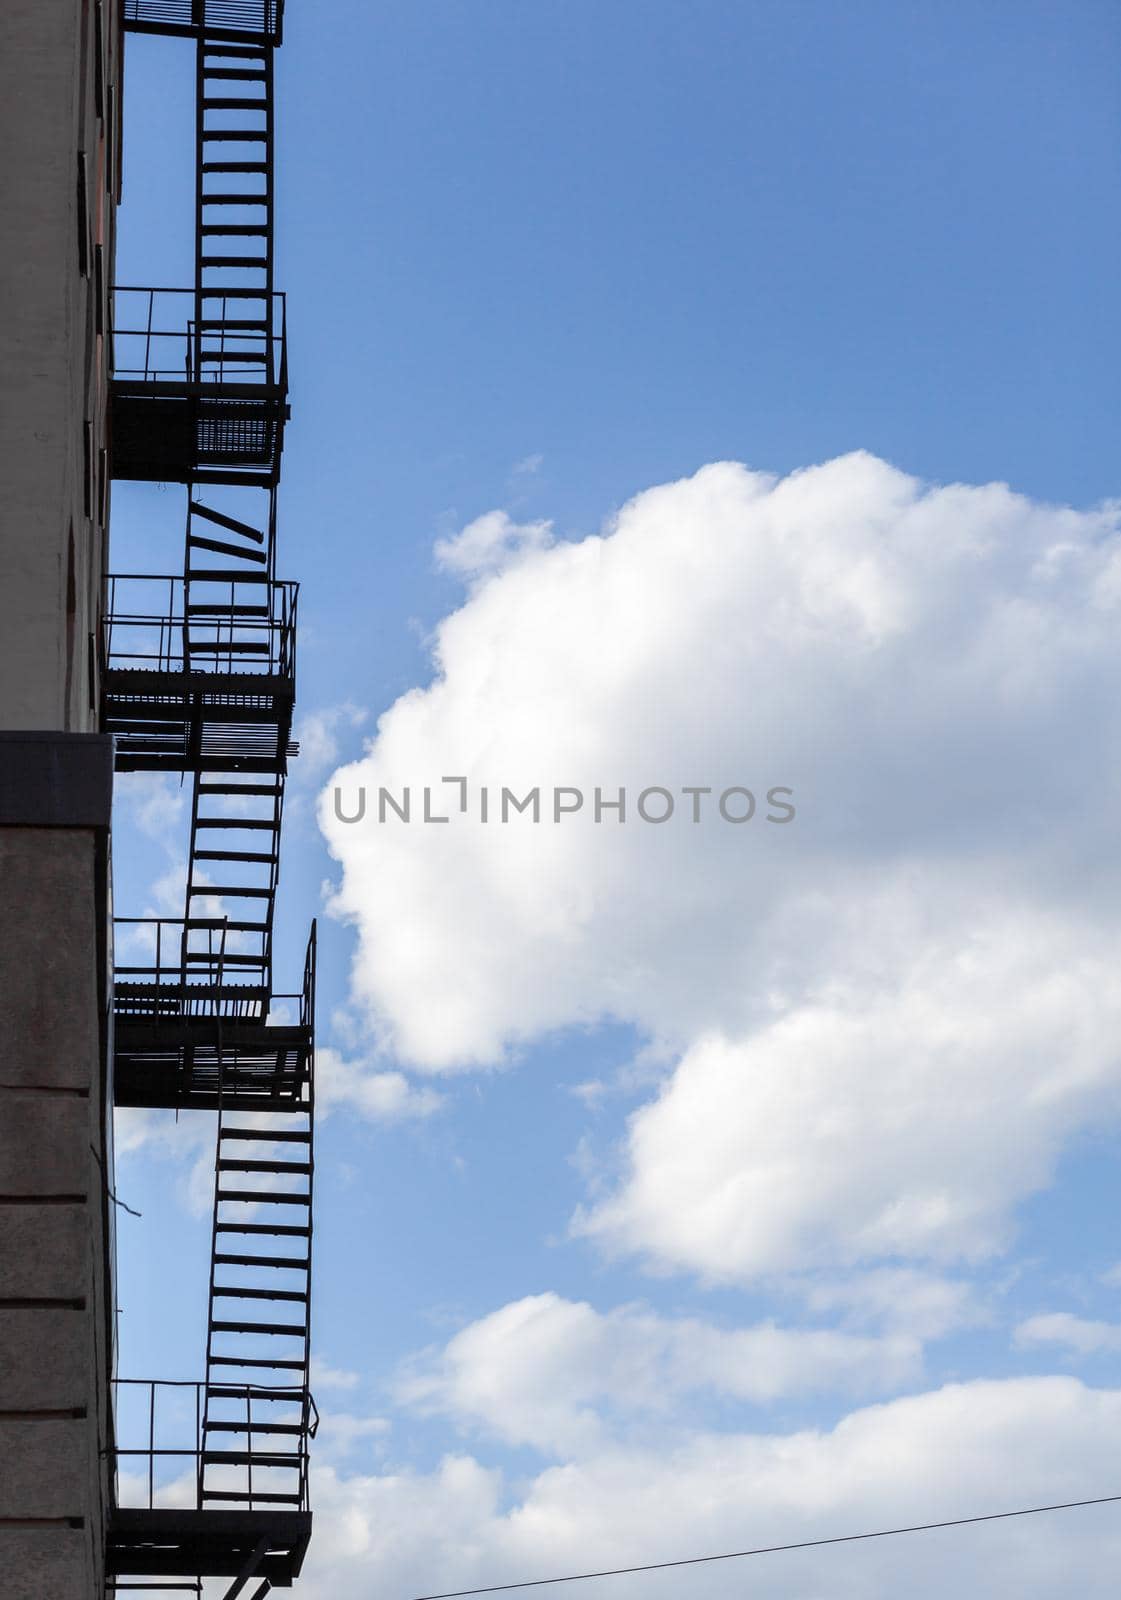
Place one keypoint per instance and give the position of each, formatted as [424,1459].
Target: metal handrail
[166,986]
[173,354]
[171,639]
[187,1438]
[200,983]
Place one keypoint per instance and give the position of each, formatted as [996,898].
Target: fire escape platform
[240,21]
[211,1543]
[200,376]
[192,1024]
[167,432]
[201,673]
[179,721]
[180,1063]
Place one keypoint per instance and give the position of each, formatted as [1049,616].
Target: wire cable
[775,1549]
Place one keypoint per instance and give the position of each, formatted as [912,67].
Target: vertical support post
[151,1446]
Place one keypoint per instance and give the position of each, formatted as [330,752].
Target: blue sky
[540,258]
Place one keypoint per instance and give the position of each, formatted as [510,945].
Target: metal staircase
[203,682]
[254,1452]
[233,207]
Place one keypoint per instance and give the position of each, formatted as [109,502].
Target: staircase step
[278,1364]
[225,575]
[255,262]
[234,166]
[258,1294]
[220,610]
[233,891]
[255,1428]
[278,1329]
[232,1391]
[234,135]
[240,961]
[229,648]
[285,1136]
[219,47]
[227,291]
[265,857]
[257,823]
[287,1230]
[224,1258]
[233,325]
[197,541]
[233,200]
[234,230]
[258,1497]
[221,647]
[232,1164]
[222,520]
[271,790]
[236,102]
[268,1197]
[243,1458]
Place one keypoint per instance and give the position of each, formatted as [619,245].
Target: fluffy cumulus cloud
[897,1118]
[950,1452]
[369,1093]
[881,1020]
[555,1373]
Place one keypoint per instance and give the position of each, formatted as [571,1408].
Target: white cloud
[898,1299]
[960,1450]
[156,802]
[551,1372]
[185,1145]
[325,1376]
[320,733]
[375,1096]
[340,1435]
[1079,1335]
[490,543]
[898,1117]
[881,1021]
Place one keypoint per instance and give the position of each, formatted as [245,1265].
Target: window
[83,217]
[99,288]
[87,468]
[99,59]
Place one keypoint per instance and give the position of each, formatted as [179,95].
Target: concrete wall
[59,116]
[55,1315]
[59,119]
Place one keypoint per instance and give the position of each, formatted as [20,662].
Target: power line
[775,1549]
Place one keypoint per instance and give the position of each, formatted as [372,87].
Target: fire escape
[198,678]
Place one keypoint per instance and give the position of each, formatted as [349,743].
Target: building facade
[60,64]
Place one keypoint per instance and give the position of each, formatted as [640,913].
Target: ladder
[232,870]
[258,1413]
[233,210]
[229,558]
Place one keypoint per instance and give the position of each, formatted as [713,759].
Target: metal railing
[155,339]
[307,998]
[191,969]
[159,1467]
[259,17]
[146,626]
